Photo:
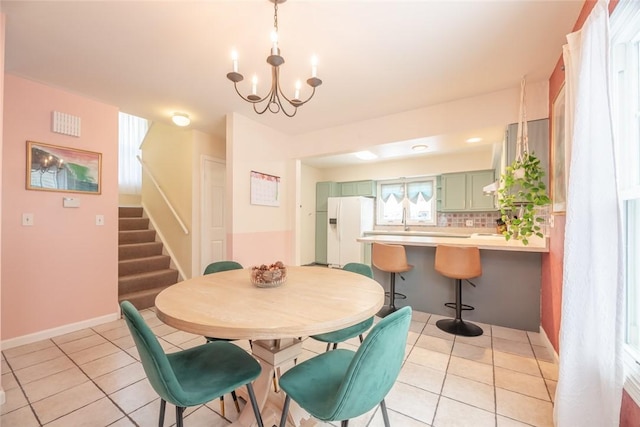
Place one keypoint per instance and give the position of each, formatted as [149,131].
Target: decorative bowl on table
[269,276]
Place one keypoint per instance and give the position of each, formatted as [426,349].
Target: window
[408,202]
[131,132]
[626,120]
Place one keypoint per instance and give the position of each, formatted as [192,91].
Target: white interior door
[214,233]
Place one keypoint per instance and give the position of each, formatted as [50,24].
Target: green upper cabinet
[538,133]
[324,190]
[358,188]
[463,191]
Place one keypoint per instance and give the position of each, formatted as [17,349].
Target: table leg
[271,354]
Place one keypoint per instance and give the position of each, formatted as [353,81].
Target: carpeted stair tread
[139,250]
[136,236]
[133,224]
[142,265]
[142,299]
[129,211]
[147,280]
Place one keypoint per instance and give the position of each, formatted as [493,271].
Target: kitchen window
[625,30]
[407,202]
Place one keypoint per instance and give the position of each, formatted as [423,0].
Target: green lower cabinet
[321,237]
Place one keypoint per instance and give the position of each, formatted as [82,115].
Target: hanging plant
[522,191]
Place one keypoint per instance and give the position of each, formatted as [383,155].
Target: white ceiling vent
[66,124]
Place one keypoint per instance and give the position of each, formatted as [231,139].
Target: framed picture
[558,166]
[63,169]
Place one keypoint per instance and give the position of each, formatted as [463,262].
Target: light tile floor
[93,377]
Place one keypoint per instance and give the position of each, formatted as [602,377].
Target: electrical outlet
[552,221]
[469,223]
[99,219]
[27,219]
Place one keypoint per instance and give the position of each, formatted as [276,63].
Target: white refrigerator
[348,218]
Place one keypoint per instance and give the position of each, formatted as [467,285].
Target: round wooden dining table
[312,300]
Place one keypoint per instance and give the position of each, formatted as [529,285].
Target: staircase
[143,271]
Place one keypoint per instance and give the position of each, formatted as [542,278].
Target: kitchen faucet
[404,219]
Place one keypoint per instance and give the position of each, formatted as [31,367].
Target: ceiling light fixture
[474,139]
[272,99]
[419,147]
[365,155]
[181,119]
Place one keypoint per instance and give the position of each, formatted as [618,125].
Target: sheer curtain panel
[591,372]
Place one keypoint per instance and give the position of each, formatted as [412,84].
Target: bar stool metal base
[459,327]
[386,310]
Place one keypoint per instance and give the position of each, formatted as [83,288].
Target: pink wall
[64,268]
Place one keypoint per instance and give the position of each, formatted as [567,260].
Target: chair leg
[179,414]
[276,374]
[285,411]
[335,345]
[222,406]
[163,407]
[254,405]
[328,347]
[361,338]
[344,423]
[385,415]
[235,400]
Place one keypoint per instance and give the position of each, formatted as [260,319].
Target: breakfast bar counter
[506,294]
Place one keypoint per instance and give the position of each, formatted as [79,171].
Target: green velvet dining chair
[357,330]
[194,376]
[342,384]
[217,267]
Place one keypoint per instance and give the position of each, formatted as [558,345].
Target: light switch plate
[99,219]
[469,223]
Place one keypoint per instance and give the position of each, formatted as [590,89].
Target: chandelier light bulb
[234,59]
[254,85]
[297,93]
[314,66]
[274,42]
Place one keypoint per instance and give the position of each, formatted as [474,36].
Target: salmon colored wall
[64,268]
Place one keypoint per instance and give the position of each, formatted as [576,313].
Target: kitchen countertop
[487,241]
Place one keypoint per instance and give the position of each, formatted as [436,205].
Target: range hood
[491,188]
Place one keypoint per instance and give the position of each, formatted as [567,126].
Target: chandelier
[273,98]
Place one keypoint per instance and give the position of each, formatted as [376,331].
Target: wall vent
[66,124]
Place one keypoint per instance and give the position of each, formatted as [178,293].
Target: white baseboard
[61,330]
[549,346]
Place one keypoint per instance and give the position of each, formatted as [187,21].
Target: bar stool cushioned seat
[356,330]
[341,384]
[391,259]
[459,263]
[194,376]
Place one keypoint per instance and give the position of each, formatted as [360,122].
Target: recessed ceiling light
[181,119]
[365,155]
[475,139]
[419,147]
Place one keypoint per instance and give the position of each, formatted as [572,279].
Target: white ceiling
[151,58]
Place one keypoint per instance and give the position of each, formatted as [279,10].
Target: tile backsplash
[480,219]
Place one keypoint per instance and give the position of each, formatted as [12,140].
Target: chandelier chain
[275,16]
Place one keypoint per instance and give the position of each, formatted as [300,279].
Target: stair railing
[145,168]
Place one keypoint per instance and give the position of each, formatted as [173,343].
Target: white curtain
[131,132]
[591,374]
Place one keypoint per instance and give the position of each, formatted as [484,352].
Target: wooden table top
[313,300]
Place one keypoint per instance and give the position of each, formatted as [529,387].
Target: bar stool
[391,259]
[458,262]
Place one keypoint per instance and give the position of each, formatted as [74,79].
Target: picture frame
[558,176]
[63,169]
